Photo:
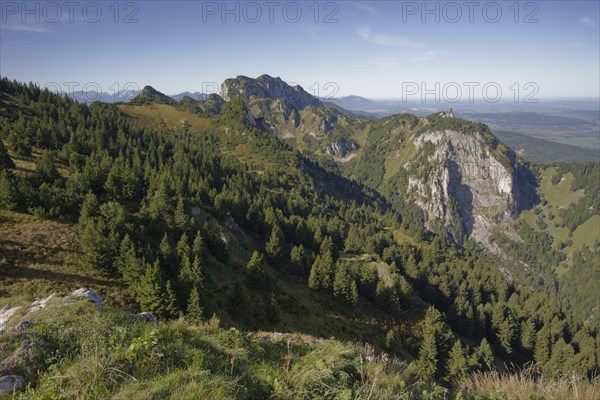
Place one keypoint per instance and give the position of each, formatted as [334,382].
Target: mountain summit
[151,95]
[265,86]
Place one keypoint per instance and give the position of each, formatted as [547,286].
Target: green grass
[559,195]
[587,234]
[164,116]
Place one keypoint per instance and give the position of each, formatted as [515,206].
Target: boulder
[11,383]
[90,295]
[145,316]
[23,325]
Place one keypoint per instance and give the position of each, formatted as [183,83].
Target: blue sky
[373,49]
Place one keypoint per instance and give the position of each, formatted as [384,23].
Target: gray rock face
[266,86]
[467,189]
[11,383]
[145,316]
[23,325]
[90,295]
[327,124]
[341,148]
[6,314]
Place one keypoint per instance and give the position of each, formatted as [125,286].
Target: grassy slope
[85,352]
[39,257]
[164,116]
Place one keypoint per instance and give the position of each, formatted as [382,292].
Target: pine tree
[7,198]
[89,208]
[180,218]
[127,263]
[322,273]
[275,247]
[165,250]
[151,293]
[457,363]
[194,309]
[428,358]
[327,246]
[298,260]
[344,286]
[528,334]
[482,357]
[183,247]
[5,160]
[255,271]
[198,245]
[541,352]
[353,243]
[171,309]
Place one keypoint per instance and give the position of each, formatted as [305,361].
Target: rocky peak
[151,95]
[265,86]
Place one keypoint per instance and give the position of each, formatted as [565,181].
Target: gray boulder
[11,383]
[90,295]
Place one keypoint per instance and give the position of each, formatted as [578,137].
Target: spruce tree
[7,197]
[198,245]
[482,357]
[171,309]
[322,273]
[151,292]
[428,358]
[194,309]
[344,286]
[255,271]
[5,160]
[275,247]
[180,218]
[298,260]
[353,243]
[457,363]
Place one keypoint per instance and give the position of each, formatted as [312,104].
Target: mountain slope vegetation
[225,218]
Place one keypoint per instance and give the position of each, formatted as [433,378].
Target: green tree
[5,160]
[528,332]
[298,260]
[457,363]
[322,273]
[195,312]
[152,293]
[344,285]
[482,357]
[428,358]
[275,247]
[353,243]
[198,245]
[7,194]
[541,352]
[255,271]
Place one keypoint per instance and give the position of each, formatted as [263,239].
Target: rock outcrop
[341,148]
[267,87]
[465,183]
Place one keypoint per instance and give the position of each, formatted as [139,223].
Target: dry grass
[529,384]
[40,257]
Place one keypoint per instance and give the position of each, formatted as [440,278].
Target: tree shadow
[33,273]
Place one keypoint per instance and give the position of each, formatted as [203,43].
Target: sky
[382,50]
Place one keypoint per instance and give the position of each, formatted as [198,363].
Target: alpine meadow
[411,211]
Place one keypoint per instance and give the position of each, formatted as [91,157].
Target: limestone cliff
[467,183]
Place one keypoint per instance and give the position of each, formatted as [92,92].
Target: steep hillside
[227,219]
